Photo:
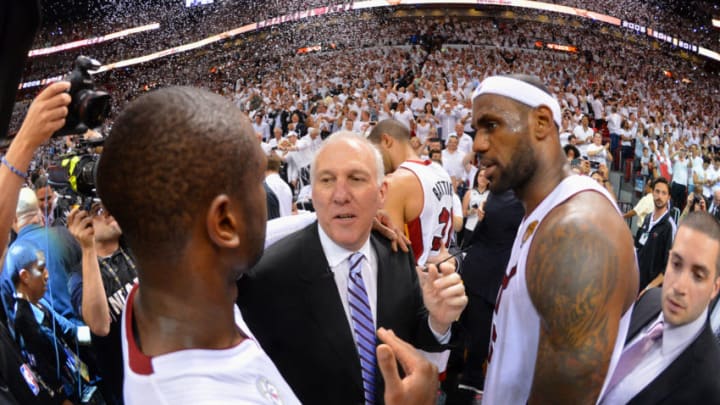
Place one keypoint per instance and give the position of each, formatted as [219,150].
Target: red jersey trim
[426,162]
[139,362]
[414,230]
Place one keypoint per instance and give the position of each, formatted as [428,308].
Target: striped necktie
[363,326]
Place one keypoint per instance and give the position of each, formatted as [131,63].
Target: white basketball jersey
[243,374]
[515,333]
[431,229]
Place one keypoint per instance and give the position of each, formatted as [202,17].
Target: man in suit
[671,356]
[302,299]
[482,272]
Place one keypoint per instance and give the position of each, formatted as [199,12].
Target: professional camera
[89,107]
[73,175]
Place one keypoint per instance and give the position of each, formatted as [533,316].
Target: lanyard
[110,270]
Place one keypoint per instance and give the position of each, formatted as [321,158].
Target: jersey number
[444,220]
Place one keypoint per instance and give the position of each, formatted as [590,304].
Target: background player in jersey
[563,309]
[419,192]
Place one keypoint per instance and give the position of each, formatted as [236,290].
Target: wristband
[14,169]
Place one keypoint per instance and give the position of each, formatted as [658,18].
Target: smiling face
[503,141]
[690,280]
[345,192]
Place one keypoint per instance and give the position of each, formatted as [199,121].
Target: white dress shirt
[337,260]
[673,342]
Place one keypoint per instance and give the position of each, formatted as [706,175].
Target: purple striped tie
[363,326]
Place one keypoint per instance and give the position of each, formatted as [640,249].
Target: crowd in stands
[625,106]
[693,22]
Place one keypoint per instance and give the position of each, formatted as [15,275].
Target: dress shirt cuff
[442,339]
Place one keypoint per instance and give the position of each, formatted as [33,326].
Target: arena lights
[368,4]
[564,48]
[93,41]
[716,23]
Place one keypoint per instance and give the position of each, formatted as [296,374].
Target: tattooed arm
[581,276]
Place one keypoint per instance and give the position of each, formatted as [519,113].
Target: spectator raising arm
[94,306]
[45,116]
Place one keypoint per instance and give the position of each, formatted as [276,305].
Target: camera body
[89,107]
[72,175]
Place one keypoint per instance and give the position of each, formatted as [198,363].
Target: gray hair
[352,136]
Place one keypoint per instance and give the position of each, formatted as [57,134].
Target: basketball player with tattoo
[564,305]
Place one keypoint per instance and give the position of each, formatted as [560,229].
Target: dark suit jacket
[652,257]
[486,261]
[291,303]
[693,377]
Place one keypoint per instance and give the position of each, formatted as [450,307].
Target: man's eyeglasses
[97,210]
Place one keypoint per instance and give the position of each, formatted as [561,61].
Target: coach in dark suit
[681,364]
[298,300]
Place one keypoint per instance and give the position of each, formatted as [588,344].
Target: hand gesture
[383,224]
[443,293]
[420,385]
[46,114]
[80,225]
[481,212]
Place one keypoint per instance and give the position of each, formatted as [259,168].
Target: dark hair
[705,223]
[567,148]
[170,152]
[394,128]
[661,179]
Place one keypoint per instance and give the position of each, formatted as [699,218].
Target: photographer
[695,202]
[100,289]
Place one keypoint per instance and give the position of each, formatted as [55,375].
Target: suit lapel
[385,281]
[646,309]
[325,307]
[677,374]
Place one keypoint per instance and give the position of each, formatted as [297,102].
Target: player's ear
[222,224]
[542,121]
[387,140]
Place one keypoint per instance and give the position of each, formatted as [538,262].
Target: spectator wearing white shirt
[599,153]
[583,135]
[452,160]
[404,115]
[261,126]
[465,142]
[626,135]
[678,189]
[282,190]
[417,105]
[614,122]
[448,118]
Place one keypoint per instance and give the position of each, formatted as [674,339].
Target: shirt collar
[679,337]
[334,253]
